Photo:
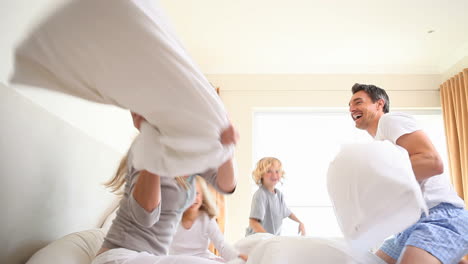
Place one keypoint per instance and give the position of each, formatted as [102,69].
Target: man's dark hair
[374,92]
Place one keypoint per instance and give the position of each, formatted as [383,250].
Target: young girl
[198,227]
[268,206]
[151,208]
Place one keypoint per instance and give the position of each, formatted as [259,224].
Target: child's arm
[256,226]
[226,251]
[302,231]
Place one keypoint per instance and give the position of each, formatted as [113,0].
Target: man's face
[363,110]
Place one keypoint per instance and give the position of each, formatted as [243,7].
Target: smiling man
[442,236]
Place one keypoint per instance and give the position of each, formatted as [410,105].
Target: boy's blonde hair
[262,167]
[208,203]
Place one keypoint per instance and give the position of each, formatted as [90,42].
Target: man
[441,237]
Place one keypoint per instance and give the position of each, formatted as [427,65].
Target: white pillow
[308,250]
[374,192]
[76,248]
[246,244]
[124,53]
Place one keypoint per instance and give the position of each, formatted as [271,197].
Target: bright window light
[306,141]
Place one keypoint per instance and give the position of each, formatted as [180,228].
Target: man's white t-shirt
[436,189]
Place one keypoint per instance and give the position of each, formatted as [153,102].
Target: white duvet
[124,53]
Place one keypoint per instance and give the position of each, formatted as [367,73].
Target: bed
[81,247]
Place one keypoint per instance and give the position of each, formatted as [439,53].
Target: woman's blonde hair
[115,184]
[262,167]
[208,203]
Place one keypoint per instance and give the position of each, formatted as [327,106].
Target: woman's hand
[229,136]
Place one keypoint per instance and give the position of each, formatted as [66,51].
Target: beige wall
[242,93]
[455,69]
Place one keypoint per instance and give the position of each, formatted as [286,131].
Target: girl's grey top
[136,229]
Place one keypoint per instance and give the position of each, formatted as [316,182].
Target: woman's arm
[147,191]
[226,179]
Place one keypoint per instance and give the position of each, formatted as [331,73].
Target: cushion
[374,192]
[108,221]
[124,53]
[75,248]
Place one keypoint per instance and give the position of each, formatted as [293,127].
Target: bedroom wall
[17,17]
[455,69]
[243,93]
[52,175]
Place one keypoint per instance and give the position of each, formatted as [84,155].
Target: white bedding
[124,53]
[269,249]
[81,247]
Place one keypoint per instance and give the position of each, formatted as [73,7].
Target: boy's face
[363,110]
[272,176]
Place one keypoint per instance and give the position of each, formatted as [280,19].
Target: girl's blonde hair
[208,203]
[262,167]
[115,184]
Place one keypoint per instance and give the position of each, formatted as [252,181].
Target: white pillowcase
[75,248]
[374,192]
[308,250]
[247,244]
[124,53]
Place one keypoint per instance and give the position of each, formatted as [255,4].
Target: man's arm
[425,159]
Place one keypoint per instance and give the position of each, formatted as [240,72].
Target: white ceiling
[322,36]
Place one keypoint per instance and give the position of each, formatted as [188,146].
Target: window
[306,141]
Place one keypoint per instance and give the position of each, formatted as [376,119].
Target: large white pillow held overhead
[124,53]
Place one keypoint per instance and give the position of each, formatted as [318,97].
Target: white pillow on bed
[374,192]
[75,248]
[308,250]
[108,221]
[124,53]
[246,244]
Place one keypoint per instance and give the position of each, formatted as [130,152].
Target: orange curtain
[454,98]
[221,204]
